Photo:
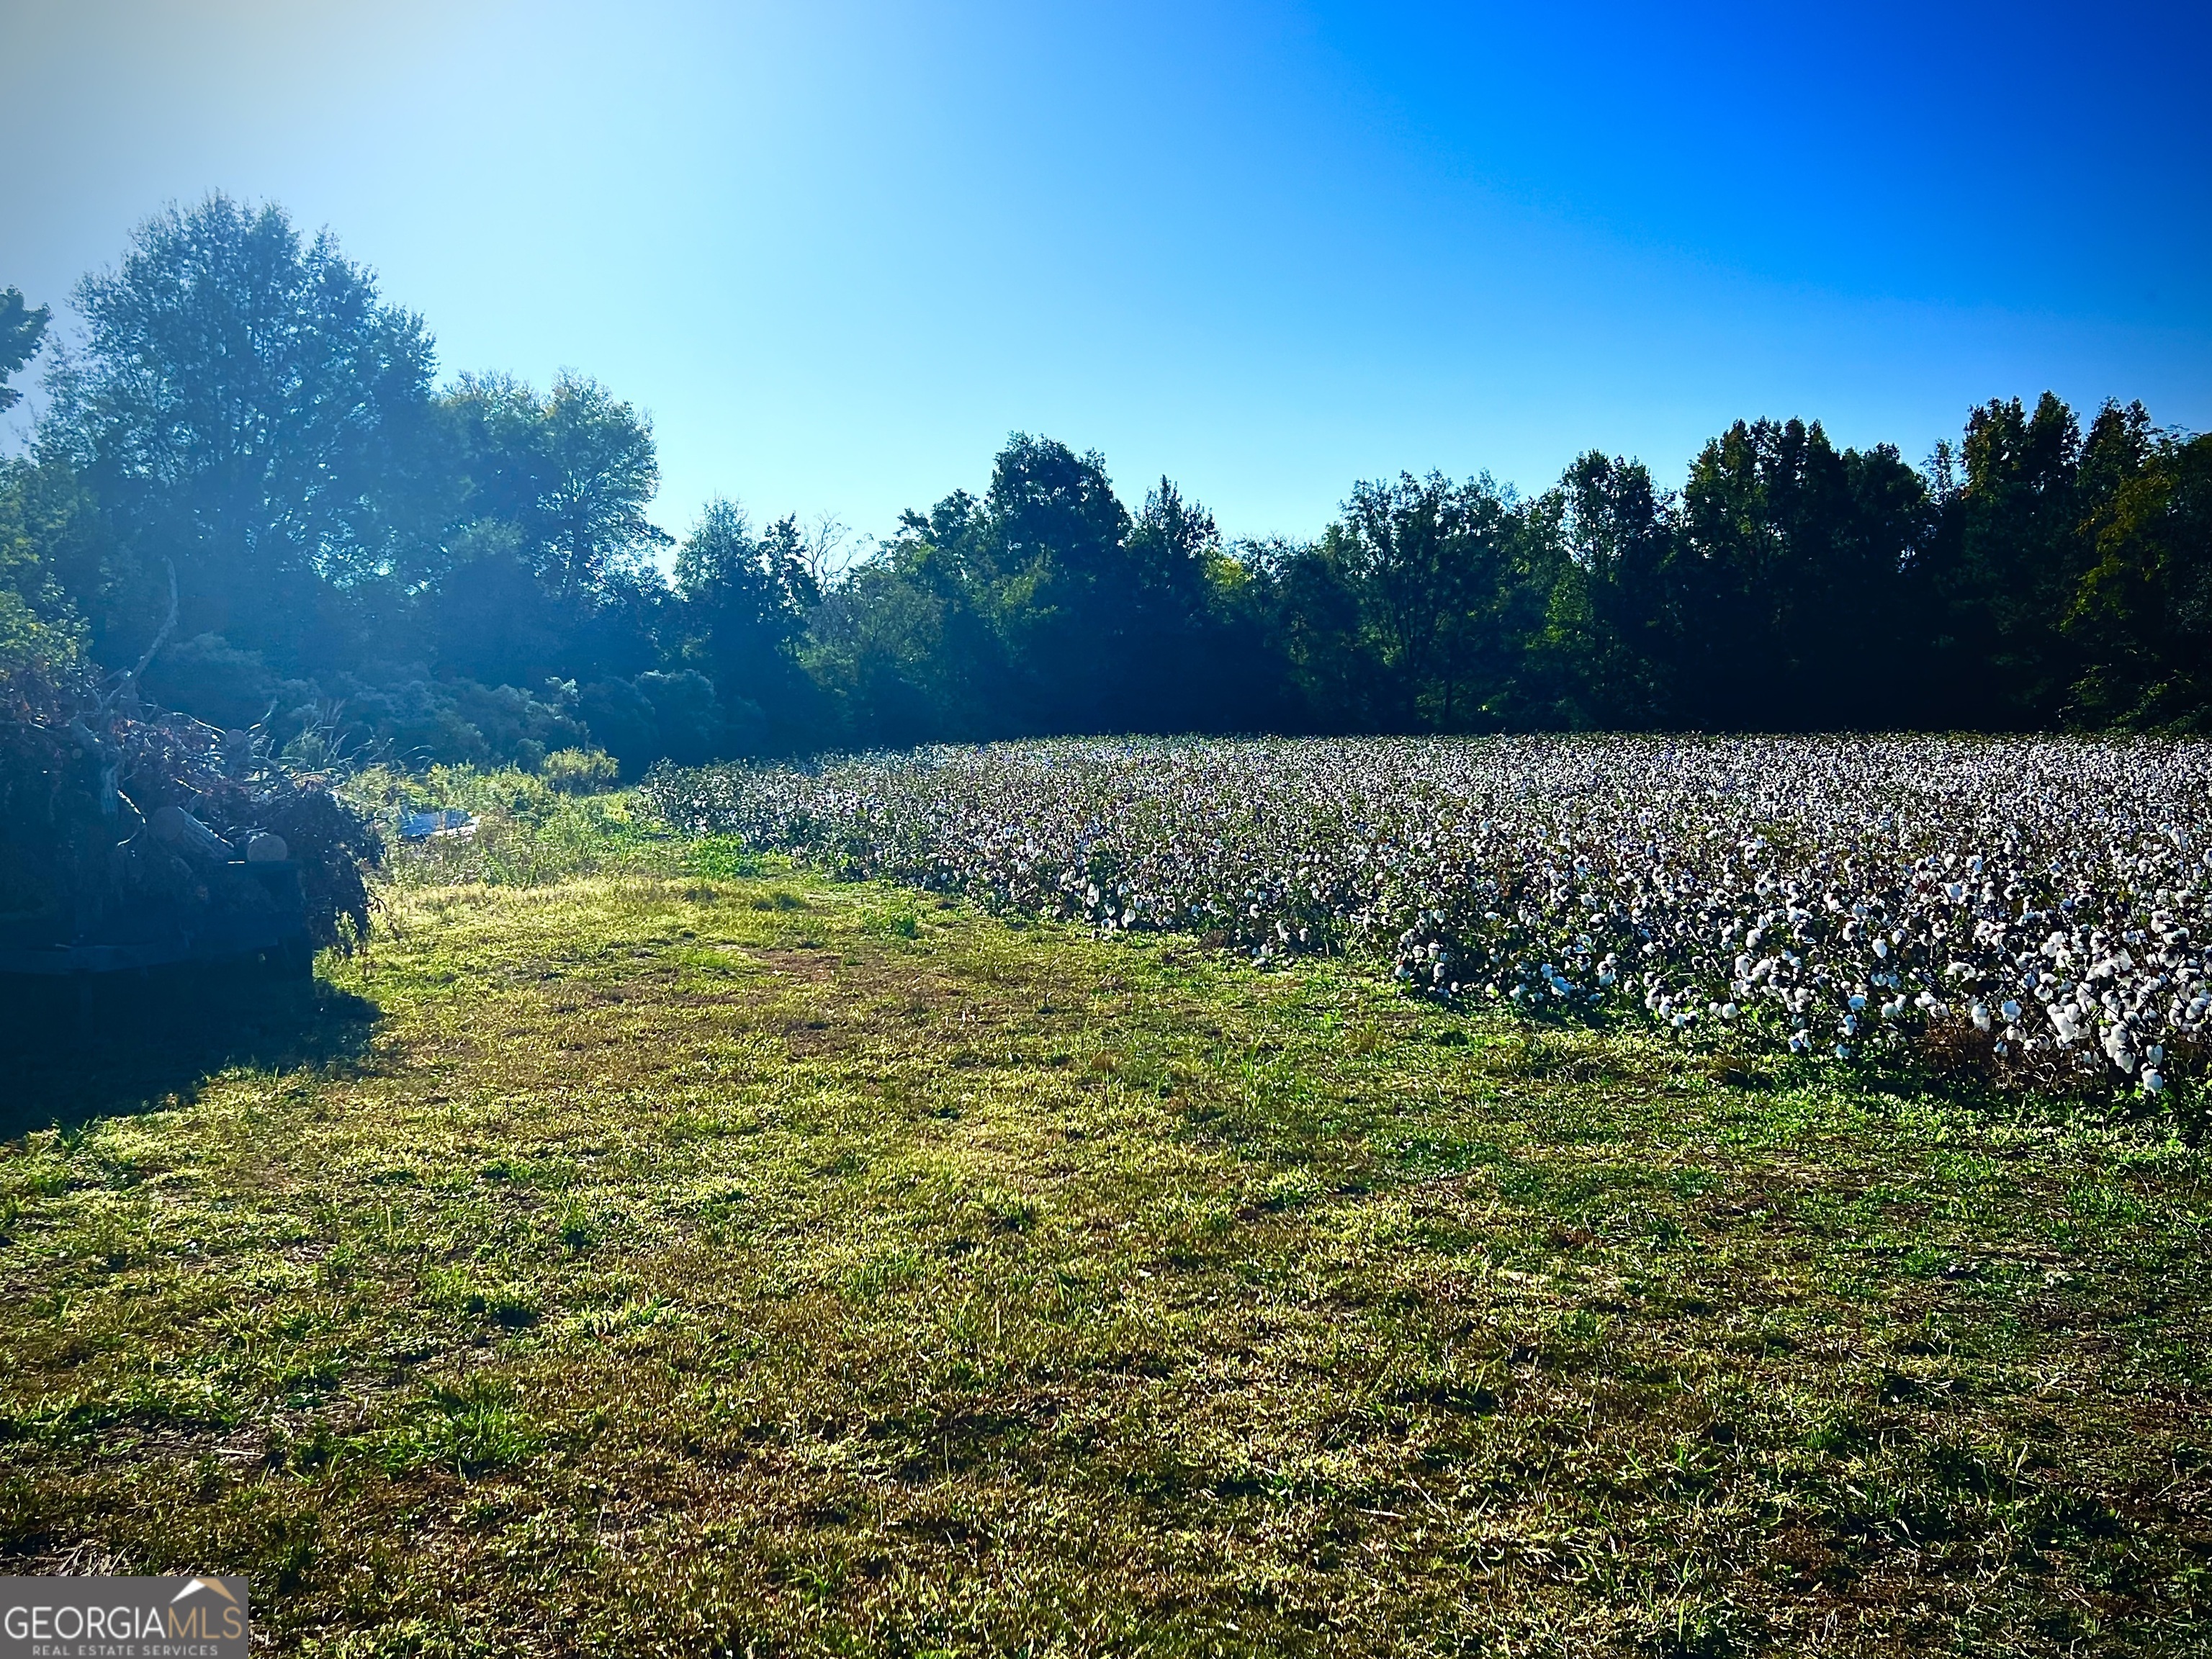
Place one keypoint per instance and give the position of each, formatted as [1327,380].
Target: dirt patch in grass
[686,1265]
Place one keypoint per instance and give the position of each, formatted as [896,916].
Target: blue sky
[839,251]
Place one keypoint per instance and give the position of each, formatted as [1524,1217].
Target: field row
[2033,910]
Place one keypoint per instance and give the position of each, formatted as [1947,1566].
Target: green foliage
[22,331]
[573,472]
[2142,618]
[579,771]
[1043,606]
[546,569]
[745,602]
[47,531]
[247,408]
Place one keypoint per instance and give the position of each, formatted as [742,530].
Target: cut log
[175,827]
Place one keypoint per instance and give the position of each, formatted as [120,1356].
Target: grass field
[721,1260]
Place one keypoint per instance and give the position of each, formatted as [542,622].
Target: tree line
[368,562]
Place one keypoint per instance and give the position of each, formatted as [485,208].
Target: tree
[1613,625]
[551,569]
[50,541]
[1186,661]
[2004,568]
[1050,544]
[574,471]
[1430,562]
[603,472]
[2142,616]
[1309,614]
[1790,576]
[248,409]
[21,331]
[1040,606]
[744,601]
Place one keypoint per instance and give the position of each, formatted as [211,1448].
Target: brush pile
[157,838]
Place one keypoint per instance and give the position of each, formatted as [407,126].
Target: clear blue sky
[839,251]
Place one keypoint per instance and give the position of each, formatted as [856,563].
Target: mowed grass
[660,1264]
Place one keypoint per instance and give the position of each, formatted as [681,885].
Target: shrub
[580,771]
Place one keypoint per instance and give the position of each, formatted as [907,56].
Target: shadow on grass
[114,1043]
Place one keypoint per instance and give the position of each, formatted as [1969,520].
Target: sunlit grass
[704,1257]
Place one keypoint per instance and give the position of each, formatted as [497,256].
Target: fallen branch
[168,623]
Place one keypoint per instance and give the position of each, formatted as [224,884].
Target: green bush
[580,771]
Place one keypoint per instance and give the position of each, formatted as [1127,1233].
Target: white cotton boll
[2153,1082]
[1980,1015]
[2010,1010]
[2119,1047]
[1858,1003]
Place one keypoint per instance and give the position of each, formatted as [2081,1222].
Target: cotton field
[2039,906]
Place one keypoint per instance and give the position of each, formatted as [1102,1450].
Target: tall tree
[1613,622]
[574,471]
[1430,562]
[1791,568]
[745,600]
[2142,616]
[1052,541]
[2002,571]
[553,572]
[248,409]
[34,614]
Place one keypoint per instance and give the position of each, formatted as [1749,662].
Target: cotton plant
[1837,894]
